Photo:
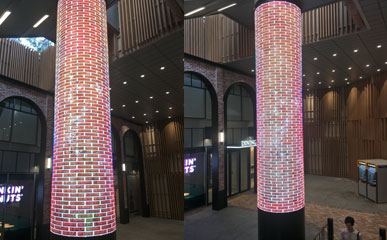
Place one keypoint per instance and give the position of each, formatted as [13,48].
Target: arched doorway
[200,142]
[22,154]
[134,191]
[240,138]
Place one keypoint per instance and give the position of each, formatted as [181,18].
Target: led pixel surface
[280,165]
[82,199]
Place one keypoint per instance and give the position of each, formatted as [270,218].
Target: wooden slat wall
[163,157]
[217,38]
[142,21]
[344,125]
[19,62]
[47,69]
[326,22]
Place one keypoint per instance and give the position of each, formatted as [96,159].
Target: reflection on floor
[150,229]
[325,197]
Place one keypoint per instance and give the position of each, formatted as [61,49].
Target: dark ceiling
[367,61]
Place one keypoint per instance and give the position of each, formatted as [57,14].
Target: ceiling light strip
[4,16]
[40,21]
[194,11]
[231,5]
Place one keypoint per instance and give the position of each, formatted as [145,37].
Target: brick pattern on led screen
[82,184]
[280,165]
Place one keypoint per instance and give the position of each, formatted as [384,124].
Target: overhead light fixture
[252,70]
[221,137]
[144,114]
[329,86]
[110,88]
[350,68]
[162,68]
[304,75]
[335,54]
[157,111]
[318,73]
[379,46]
[124,167]
[332,80]
[346,79]
[367,65]
[333,70]
[307,84]
[167,93]
[378,70]
[361,77]
[356,50]
[151,97]
[4,16]
[48,163]
[41,20]
[347,83]
[170,108]
[123,105]
[142,76]
[136,101]
[231,5]
[319,83]
[146,122]
[169,116]
[194,11]
[133,117]
[125,83]
[315,58]
[111,109]
[307,90]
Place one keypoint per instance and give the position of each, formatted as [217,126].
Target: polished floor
[325,197]
[151,229]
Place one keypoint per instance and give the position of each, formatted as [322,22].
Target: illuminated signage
[189,165]
[13,193]
[249,143]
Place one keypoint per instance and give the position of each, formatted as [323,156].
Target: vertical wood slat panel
[350,124]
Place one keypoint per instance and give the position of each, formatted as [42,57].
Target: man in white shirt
[350,233]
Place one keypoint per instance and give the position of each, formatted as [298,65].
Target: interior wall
[343,125]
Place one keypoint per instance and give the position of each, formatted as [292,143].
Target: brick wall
[280,170]
[221,80]
[82,198]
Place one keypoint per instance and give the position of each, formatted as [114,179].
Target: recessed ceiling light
[252,70]
[315,58]
[361,77]
[329,86]
[142,76]
[167,93]
[385,62]
[136,101]
[146,122]
[318,73]
[378,70]
[194,11]
[379,46]
[40,21]
[332,80]
[133,117]
[170,108]
[151,97]
[111,109]
[333,70]
[162,68]
[307,84]
[347,82]
[228,6]
[110,88]
[125,83]
[144,114]
[304,75]
[319,82]
[157,111]
[349,68]
[307,90]
[4,16]
[169,116]
[368,65]
[346,79]
[123,105]
[335,54]
[356,50]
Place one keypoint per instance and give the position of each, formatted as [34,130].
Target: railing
[326,232]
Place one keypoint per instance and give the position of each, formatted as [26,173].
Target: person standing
[350,233]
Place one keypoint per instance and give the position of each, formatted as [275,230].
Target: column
[82,198]
[280,164]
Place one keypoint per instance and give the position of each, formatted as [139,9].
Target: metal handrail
[321,235]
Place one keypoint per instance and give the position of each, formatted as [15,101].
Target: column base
[281,226]
[111,236]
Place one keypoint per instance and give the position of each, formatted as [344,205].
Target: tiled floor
[325,197]
[151,229]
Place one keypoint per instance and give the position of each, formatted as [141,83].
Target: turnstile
[372,179]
